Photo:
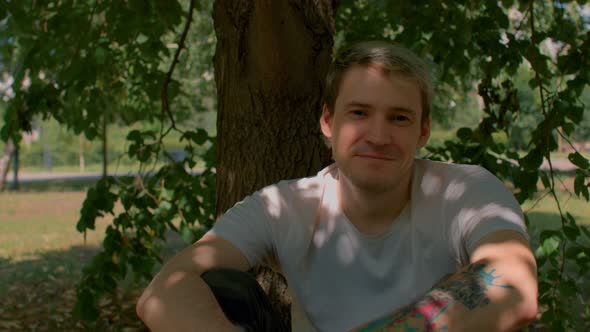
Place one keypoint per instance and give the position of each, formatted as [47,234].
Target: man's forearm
[474,298]
[181,301]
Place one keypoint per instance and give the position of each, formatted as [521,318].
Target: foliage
[83,62]
[487,42]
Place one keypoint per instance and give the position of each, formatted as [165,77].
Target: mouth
[375,156]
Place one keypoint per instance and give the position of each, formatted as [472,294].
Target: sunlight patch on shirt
[346,249]
[455,190]
[273,196]
[431,184]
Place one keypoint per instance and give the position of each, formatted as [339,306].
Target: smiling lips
[374,156]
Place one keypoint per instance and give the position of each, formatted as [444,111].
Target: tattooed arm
[496,292]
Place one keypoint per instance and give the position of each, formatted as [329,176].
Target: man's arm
[497,291]
[178,299]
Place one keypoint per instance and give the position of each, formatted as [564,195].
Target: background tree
[270,62]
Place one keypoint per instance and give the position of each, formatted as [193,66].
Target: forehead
[375,86]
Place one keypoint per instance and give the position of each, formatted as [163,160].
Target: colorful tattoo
[470,286]
[489,278]
[467,287]
[418,317]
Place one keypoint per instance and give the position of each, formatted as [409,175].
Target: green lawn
[33,223]
[41,260]
[545,214]
[42,256]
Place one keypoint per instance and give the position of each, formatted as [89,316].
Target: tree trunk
[105,155]
[270,62]
[15,168]
[81,154]
[5,163]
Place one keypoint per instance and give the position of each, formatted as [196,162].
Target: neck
[372,212]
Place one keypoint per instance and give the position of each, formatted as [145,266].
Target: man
[378,241]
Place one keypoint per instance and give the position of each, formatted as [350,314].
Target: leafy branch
[175,60]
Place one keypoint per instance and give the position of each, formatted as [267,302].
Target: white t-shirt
[341,278]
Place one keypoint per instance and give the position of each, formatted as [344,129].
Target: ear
[326,122]
[424,133]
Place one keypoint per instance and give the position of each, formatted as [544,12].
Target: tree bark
[81,160]
[270,62]
[105,160]
[5,163]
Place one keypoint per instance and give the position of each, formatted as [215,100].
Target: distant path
[25,177]
[47,176]
[562,165]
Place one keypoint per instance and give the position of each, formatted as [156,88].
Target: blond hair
[393,59]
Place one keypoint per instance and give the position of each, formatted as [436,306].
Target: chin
[373,184]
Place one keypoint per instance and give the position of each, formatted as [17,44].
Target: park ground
[42,256]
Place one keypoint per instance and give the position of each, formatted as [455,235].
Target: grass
[545,214]
[41,260]
[35,222]
[42,256]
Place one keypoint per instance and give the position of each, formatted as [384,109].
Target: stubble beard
[373,184]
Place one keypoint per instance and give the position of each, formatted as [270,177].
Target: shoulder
[455,178]
[295,194]
[475,202]
[450,170]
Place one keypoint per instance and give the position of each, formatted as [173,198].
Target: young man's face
[376,128]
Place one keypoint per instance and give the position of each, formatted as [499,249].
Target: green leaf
[464,134]
[141,38]
[583,269]
[199,136]
[571,232]
[100,55]
[532,160]
[573,252]
[548,234]
[134,135]
[568,128]
[550,246]
[580,187]
[575,113]
[544,287]
[86,305]
[568,288]
[545,180]
[165,207]
[577,159]
[512,155]
[527,220]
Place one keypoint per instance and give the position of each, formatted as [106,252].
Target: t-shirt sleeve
[486,206]
[247,226]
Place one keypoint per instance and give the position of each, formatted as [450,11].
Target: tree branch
[548,155]
[168,78]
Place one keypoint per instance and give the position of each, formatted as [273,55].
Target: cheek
[405,140]
[349,133]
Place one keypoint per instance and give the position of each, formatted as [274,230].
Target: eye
[401,119]
[358,113]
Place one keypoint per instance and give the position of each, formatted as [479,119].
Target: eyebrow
[395,108]
[358,104]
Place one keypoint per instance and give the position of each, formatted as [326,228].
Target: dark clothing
[243,301]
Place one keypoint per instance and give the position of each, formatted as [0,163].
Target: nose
[379,133]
